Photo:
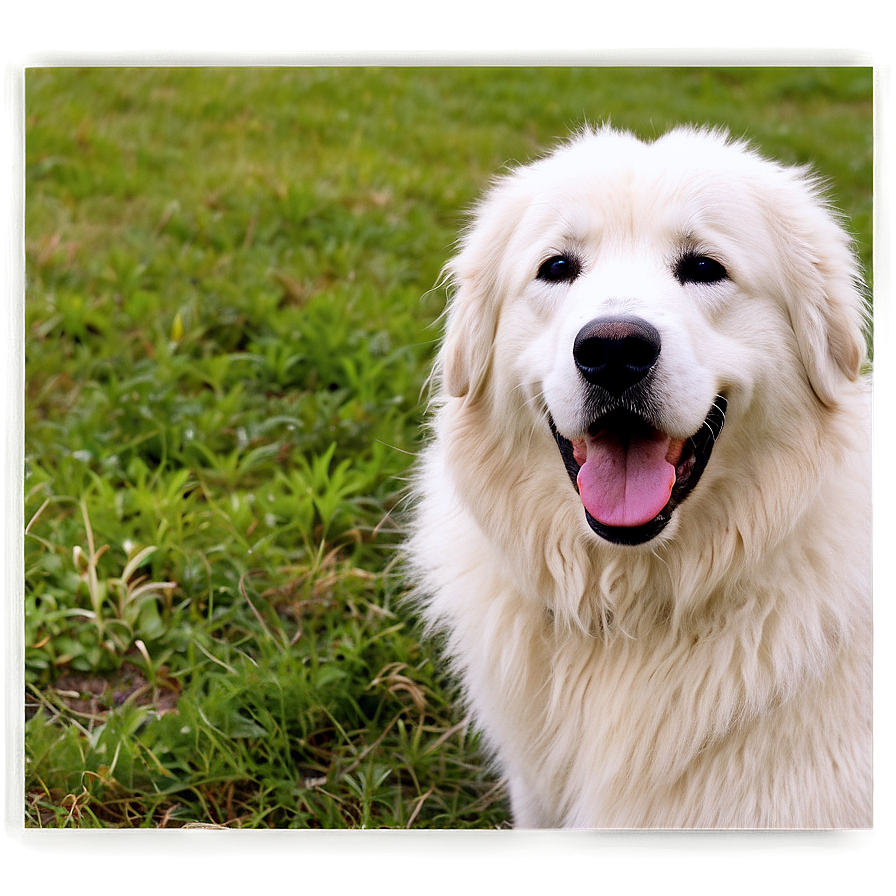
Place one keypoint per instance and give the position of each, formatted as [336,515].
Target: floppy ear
[472,323]
[828,309]
[830,336]
[477,283]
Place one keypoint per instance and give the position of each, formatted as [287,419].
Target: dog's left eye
[699,269]
[559,269]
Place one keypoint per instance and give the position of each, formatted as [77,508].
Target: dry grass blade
[418,805]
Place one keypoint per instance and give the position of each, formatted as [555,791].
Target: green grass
[229,322]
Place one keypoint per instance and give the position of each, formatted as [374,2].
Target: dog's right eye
[559,269]
[693,268]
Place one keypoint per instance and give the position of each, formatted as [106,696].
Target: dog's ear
[477,283]
[469,335]
[828,310]
[830,336]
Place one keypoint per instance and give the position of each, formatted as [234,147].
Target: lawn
[230,314]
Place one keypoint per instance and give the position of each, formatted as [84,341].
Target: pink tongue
[626,481]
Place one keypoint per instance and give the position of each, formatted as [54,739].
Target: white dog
[643,523]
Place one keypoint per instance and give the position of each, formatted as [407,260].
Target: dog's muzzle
[630,475]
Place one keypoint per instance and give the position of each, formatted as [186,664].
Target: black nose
[616,352]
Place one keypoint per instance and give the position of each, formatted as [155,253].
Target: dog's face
[631,361]
[639,299]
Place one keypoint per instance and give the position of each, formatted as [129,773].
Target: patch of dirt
[95,695]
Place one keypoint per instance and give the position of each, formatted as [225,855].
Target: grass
[229,321]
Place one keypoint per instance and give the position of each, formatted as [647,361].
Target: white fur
[719,675]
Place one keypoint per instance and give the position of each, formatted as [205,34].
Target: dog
[642,523]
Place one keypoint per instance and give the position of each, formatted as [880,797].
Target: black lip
[701,445]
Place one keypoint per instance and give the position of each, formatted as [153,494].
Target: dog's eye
[699,269]
[559,269]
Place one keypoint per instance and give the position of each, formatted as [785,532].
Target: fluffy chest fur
[753,713]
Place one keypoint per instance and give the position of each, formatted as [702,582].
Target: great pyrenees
[642,523]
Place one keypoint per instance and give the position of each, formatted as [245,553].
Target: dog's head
[632,299]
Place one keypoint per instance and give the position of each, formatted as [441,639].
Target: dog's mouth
[631,476]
